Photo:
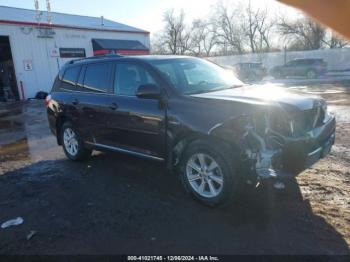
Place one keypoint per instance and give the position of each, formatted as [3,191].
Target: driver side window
[129,77]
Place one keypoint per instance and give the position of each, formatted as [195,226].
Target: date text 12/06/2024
[173,258]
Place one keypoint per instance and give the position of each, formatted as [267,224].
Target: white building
[34,45]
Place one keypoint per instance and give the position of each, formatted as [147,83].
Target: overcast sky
[144,14]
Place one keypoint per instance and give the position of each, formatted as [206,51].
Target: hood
[264,95]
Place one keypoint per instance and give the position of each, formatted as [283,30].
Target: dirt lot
[114,204]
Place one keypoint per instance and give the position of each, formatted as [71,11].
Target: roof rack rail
[95,57]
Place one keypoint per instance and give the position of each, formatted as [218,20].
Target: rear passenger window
[70,78]
[98,77]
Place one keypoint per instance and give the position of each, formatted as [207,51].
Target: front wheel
[72,144]
[208,174]
[311,74]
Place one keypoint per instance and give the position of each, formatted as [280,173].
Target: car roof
[121,58]
[113,57]
[249,63]
[160,57]
[306,59]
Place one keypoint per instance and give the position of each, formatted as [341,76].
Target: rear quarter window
[70,78]
[56,84]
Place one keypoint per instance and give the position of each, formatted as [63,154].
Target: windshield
[193,75]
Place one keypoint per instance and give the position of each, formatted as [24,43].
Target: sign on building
[72,52]
[28,65]
[45,32]
[55,52]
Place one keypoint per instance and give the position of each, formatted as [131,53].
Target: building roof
[28,17]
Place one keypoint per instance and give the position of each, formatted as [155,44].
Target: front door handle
[114,106]
[75,102]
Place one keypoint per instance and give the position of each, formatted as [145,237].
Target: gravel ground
[115,204]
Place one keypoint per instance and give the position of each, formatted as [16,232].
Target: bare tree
[235,29]
[257,28]
[157,45]
[210,39]
[184,42]
[332,40]
[303,33]
[229,28]
[175,36]
[203,37]
[197,35]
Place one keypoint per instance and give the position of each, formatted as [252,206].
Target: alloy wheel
[204,175]
[70,141]
[311,74]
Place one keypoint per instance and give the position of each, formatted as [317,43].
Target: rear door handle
[114,106]
[75,102]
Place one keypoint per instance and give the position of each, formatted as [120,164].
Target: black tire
[278,75]
[224,159]
[311,74]
[282,76]
[82,152]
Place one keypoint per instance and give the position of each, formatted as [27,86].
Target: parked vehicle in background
[250,71]
[310,68]
[193,115]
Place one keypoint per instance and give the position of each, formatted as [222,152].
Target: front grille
[298,124]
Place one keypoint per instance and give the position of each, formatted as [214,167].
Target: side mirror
[148,91]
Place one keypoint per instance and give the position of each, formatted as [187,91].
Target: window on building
[129,77]
[98,77]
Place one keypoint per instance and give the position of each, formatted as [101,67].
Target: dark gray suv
[310,68]
[193,116]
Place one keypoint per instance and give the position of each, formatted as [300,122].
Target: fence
[337,59]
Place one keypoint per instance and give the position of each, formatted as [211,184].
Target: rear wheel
[311,74]
[72,144]
[282,75]
[208,174]
[279,75]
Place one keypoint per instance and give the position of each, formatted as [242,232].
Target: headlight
[324,106]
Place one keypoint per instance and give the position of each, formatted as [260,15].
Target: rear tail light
[47,100]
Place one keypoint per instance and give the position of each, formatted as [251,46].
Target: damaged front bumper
[302,153]
[280,156]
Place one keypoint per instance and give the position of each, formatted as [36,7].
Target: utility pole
[37,9]
[48,8]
